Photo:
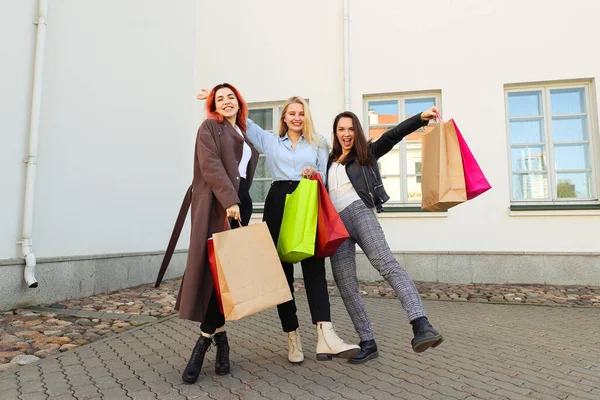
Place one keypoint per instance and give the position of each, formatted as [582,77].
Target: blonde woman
[296,151]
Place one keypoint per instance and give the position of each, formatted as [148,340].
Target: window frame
[401,97]
[545,89]
[276,107]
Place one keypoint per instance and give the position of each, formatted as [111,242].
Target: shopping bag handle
[439,117]
[316,177]
[227,224]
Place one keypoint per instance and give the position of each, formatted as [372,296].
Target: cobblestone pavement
[38,332]
[490,352]
[158,302]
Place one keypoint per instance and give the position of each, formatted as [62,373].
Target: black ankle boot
[192,370]
[368,350]
[425,335]
[222,361]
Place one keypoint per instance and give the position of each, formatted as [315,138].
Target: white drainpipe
[347,55]
[31,161]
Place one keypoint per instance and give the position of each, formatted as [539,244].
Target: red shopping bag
[475,181]
[331,232]
[212,261]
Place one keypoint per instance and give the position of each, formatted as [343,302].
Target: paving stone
[141,395]
[133,384]
[105,382]
[114,393]
[150,376]
[161,388]
[172,378]
[9,394]
[123,374]
[173,396]
[51,365]
[92,362]
[57,389]
[29,374]
[69,360]
[63,397]
[73,370]
[35,396]
[31,387]
[85,391]
[190,391]
[9,384]
[79,380]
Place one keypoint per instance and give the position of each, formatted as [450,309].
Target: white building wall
[15,80]
[469,50]
[274,50]
[119,115]
[117,126]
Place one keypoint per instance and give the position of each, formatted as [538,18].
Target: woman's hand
[233,212]
[430,113]
[308,172]
[203,95]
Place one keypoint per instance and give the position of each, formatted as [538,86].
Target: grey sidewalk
[490,352]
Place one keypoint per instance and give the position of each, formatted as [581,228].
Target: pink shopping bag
[475,180]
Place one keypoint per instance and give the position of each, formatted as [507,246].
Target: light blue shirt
[284,162]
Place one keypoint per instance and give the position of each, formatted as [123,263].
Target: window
[401,167]
[551,146]
[267,117]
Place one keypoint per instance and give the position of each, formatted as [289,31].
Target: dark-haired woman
[224,165]
[356,190]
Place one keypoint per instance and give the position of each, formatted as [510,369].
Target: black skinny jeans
[313,269]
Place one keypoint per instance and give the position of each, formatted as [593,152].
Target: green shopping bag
[299,225]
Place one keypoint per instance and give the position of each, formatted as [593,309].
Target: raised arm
[257,135]
[392,137]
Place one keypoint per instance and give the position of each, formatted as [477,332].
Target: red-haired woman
[224,165]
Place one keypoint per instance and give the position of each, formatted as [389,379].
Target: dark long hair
[211,109]
[360,151]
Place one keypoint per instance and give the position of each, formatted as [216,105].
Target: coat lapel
[232,131]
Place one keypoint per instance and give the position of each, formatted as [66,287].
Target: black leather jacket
[367,179]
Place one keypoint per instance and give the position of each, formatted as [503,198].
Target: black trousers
[313,269]
[213,318]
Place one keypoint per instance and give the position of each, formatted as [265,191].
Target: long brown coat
[216,182]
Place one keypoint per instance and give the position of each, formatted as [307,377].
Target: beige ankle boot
[330,345]
[295,354]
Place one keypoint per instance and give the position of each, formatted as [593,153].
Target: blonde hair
[308,130]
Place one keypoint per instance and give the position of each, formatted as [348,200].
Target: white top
[341,191]
[246,155]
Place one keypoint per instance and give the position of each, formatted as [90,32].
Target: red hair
[211,112]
